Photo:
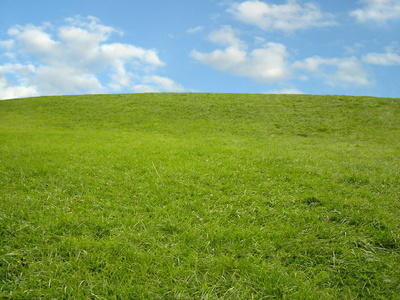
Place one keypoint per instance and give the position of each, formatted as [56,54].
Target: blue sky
[342,47]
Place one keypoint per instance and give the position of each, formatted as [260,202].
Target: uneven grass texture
[200,196]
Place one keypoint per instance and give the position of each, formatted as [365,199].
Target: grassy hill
[204,196]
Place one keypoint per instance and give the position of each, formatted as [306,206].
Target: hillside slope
[200,196]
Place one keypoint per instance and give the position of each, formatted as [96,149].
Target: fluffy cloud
[9,91]
[7,44]
[343,72]
[17,69]
[75,58]
[226,36]
[287,17]
[68,79]
[383,59]
[19,72]
[379,11]
[270,63]
[195,30]
[286,91]
[155,84]
[267,64]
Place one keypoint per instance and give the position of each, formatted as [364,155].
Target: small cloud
[226,36]
[287,17]
[343,72]
[267,64]
[23,70]
[10,91]
[23,88]
[259,40]
[163,83]
[383,59]
[393,47]
[70,80]
[379,11]
[353,49]
[142,88]
[156,84]
[9,44]
[285,91]
[215,16]
[303,78]
[195,30]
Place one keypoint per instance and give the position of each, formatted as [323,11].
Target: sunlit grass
[207,196]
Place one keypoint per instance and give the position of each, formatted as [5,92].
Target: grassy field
[200,196]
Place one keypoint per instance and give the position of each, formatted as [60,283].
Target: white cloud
[9,44]
[125,52]
[17,69]
[383,59]
[164,83]
[267,64]
[75,58]
[287,17]
[195,30]
[379,11]
[34,40]
[349,72]
[259,40]
[226,36]
[343,72]
[143,88]
[270,63]
[71,79]
[156,83]
[9,91]
[351,50]
[223,60]
[286,91]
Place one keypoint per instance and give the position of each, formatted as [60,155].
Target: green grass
[200,196]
